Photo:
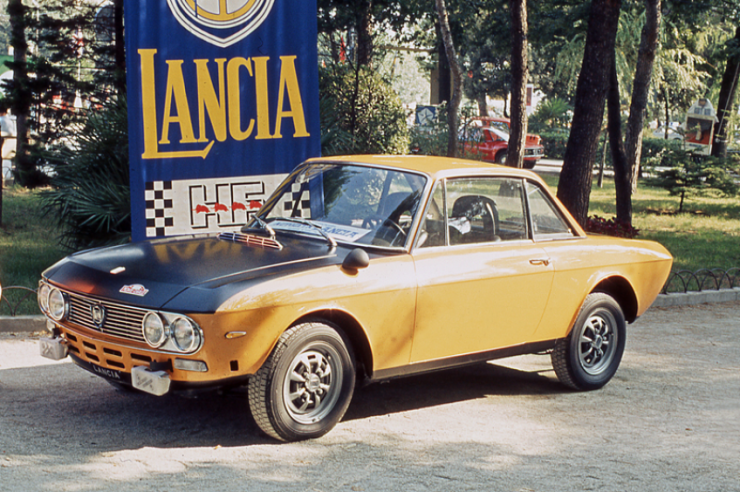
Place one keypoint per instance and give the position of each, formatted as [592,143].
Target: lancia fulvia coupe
[357,269]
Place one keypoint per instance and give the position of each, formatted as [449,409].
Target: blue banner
[223,102]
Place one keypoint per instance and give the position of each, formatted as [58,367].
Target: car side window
[547,223]
[484,210]
[432,229]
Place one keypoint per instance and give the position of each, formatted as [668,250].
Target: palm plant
[90,194]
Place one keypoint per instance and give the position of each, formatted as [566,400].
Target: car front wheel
[305,386]
[589,357]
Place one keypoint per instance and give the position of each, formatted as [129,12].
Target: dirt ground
[668,421]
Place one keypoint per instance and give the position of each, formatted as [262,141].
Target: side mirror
[356,260]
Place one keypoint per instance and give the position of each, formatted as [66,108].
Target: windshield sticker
[134,290]
[340,232]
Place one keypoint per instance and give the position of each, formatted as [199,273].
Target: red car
[489,137]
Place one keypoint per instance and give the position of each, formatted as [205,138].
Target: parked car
[673,134]
[489,136]
[358,268]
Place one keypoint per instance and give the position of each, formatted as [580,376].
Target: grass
[27,247]
[707,236]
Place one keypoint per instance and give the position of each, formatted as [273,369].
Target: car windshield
[349,203]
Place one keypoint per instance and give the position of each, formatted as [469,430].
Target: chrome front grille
[120,320]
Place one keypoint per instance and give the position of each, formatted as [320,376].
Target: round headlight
[152,328]
[56,304]
[184,334]
[43,297]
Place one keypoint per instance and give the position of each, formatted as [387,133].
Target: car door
[482,281]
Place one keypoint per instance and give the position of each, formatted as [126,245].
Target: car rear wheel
[501,157]
[305,386]
[589,357]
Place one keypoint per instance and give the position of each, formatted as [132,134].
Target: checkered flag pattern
[291,198]
[159,211]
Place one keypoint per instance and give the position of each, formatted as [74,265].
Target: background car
[357,268]
[493,144]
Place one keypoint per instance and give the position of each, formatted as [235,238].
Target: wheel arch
[622,291]
[353,330]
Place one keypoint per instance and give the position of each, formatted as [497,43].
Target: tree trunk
[20,93]
[574,186]
[519,74]
[364,35]
[120,47]
[619,158]
[482,105]
[444,27]
[444,91]
[640,90]
[726,97]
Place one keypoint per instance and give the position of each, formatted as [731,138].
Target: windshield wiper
[264,225]
[331,240]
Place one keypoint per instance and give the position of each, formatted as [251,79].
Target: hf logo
[220,22]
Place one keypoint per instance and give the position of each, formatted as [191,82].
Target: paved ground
[669,421]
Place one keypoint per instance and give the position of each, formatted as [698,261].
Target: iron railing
[14,304]
[684,281]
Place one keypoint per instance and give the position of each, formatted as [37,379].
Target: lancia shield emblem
[98,314]
[220,22]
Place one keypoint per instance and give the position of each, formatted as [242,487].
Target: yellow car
[357,268]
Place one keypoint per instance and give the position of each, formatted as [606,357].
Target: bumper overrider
[151,350]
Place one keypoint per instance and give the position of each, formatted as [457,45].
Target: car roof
[434,166]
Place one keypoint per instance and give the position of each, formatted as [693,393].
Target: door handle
[540,261]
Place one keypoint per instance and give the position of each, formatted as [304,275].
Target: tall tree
[649,43]
[727,92]
[444,26]
[574,187]
[20,91]
[619,158]
[519,73]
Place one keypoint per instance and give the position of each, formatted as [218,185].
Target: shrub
[90,195]
[685,175]
[361,114]
[610,227]
[554,143]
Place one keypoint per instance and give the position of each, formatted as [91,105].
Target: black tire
[501,157]
[529,164]
[312,402]
[589,357]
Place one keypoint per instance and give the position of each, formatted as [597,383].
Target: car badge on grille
[135,290]
[98,314]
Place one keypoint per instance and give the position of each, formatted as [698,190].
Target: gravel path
[668,421]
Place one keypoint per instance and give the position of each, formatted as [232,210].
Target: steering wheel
[400,233]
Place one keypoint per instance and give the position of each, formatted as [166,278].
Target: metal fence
[702,280]
[14,303]
[682,281]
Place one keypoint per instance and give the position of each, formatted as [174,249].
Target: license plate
[110,374]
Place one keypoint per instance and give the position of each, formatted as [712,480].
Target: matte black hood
[151,273]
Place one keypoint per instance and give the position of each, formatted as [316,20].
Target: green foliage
[687,175]
[26,249]
[554,143]
[90,195]
[366,110]
[552,113]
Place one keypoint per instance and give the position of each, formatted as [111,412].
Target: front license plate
[110,374]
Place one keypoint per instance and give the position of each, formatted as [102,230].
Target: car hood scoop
[251,240]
